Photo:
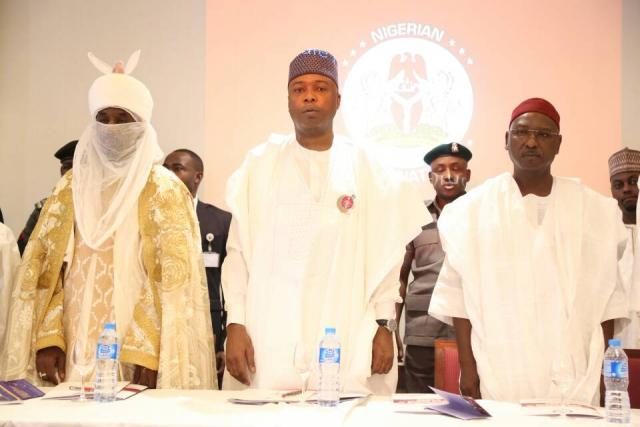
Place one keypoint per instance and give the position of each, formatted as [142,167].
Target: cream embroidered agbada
[117,241]
[170,330]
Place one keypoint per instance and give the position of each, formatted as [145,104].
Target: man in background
[9,263]
[214,229]
[624,168]
[449,176]
[65,156]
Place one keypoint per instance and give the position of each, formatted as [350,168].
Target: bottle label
[107,351]
[329,355]
[615,369]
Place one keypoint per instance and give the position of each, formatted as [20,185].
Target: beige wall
[45,76]
[631,73]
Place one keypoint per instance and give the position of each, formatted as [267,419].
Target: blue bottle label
[615,369]
[329,355]
[107,351]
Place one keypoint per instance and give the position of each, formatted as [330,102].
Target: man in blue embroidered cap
[423,258]
[315,242]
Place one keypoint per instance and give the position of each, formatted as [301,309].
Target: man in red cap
[530,279]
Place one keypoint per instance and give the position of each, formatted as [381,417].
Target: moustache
[444,179]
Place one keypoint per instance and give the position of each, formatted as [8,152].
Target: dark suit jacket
[215,221]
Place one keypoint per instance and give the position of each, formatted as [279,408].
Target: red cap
[536,105]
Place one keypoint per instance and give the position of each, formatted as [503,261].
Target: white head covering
[111,166]
[119,89]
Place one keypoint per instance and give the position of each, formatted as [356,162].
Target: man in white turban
[117,240]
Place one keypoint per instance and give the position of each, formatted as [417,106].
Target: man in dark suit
[214,228]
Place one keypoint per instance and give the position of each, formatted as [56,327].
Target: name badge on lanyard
[211,258]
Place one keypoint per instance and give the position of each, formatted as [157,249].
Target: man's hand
[470,381]
[220,362]
[400,347]
[382,357]
[239,357]
[145,376]
[50,364]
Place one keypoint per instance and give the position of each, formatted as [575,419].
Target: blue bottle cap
[329,331]
[109,326]
[614,342]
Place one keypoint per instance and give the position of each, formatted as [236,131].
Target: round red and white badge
[346,203]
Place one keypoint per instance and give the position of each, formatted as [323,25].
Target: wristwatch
[389,324]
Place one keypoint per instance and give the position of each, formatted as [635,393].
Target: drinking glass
[83,361]
[301,365]
[563,377]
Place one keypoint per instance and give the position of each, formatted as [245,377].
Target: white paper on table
[261,397]
[415,403]
[553,407]
[70,390]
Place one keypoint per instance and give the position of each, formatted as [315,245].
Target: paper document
[15,391]
[553,407]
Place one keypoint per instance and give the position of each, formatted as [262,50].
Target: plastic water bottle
[106,365]
[616,379]
[329,359]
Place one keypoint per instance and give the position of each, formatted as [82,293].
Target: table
[210,408]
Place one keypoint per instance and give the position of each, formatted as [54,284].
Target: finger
[242,373]
[136,375]
[61,365]
[375,364]
[388,364]
[145,378]
[237,369]
[251,364]
[152,377]
[242,376]
[50,376]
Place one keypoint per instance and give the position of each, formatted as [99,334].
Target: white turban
[120,90]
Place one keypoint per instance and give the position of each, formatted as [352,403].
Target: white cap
[120,90]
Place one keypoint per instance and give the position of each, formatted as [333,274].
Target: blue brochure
[463,407]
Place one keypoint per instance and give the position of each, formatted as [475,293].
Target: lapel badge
[346,203]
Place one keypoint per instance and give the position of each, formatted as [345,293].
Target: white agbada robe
[535,277]
[9,263]
[296,263]
[628,330]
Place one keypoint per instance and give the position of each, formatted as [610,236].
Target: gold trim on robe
[171,328]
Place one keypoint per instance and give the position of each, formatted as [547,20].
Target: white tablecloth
[210,408]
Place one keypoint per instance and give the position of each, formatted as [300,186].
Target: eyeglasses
[538,135]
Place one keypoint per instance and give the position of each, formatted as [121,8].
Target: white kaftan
[534,287]
[297,263]
[9,263]
[628,330]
